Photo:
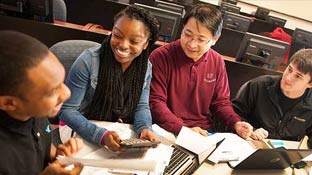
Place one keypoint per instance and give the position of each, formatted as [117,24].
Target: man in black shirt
[280,107]
[31,89]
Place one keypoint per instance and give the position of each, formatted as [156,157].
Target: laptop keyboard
[179,162]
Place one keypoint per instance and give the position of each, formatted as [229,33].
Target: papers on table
[125,131]
[152,161]
[232,148]
[308,159]
[142,165]
[134,161]
[198,144]
[163,135]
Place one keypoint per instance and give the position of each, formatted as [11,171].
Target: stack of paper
[141,165]
[134,161]
[152,161]
[198,144]
[231,149]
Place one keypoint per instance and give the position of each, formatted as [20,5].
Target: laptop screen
[271,159]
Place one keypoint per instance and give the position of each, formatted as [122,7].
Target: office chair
[59,10]
[67,52]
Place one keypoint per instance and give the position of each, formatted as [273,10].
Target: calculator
[137,143]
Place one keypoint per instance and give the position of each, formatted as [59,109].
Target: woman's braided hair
[117,94]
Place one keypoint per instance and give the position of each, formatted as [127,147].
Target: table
[222,168]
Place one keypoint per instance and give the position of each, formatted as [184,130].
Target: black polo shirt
[25,146]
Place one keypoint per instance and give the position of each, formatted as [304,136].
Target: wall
[297,8]
[292,22]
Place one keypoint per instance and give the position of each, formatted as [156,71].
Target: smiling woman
[111,82]
[129,39]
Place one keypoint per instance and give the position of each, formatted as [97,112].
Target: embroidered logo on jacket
[209,78]
[48,129]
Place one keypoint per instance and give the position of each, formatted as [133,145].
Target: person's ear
[214,40]
[310,85]
[145,45]
[8,103]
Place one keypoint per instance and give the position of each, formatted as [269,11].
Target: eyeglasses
[190,39]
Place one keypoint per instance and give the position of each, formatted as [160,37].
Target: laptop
[185,162]
[278,158]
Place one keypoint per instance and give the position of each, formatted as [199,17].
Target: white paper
[102,161]
[65,133]
[232,146]
[124,131]
[308,158]
[142,165]
[214,2]
[195,142]
[163,133]
[152,161]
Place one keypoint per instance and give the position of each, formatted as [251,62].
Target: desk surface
[222,168]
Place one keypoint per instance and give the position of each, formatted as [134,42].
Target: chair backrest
[68,51]
[59,10]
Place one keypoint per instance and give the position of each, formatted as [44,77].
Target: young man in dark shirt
[31,89]
[280,107]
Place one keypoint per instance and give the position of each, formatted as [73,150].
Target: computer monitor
[234,2]
[41,10]
[261,51]
[170,6]
[229,7]
[169,22]
[145,2]
[186,2]
[276,21]
[262,13]
[100,12]
[229,42]
[301,39]
[236,21]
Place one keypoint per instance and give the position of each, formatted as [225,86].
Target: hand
[200,131]
[259,134]
[72,146]
[112,141]
[56,168]
[243,129]
[147,134]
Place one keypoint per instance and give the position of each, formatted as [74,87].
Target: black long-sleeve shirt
[25,146]
[257,102]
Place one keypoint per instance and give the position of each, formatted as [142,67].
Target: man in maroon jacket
[190,83]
